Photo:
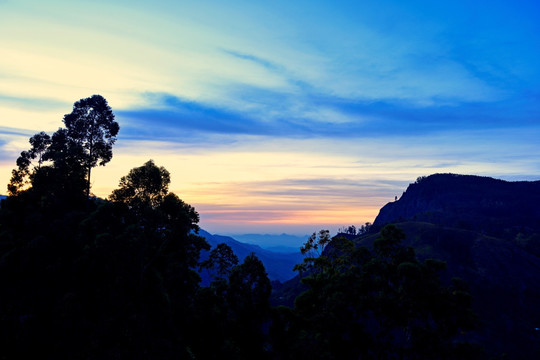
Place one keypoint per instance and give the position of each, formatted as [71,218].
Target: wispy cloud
[170,117]
[255,59]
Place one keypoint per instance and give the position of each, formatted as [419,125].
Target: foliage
[377,304]
[233,311]
[353,230]
[91,125]
[98,284]
[20,176]
[144,187]
[313,250]
[222,260]
[60,165]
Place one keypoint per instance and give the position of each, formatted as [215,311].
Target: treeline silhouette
[86,278]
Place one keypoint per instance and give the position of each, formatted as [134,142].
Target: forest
[118,278]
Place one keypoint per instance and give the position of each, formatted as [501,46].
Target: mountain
[488,232]
[278,265]
[484,204]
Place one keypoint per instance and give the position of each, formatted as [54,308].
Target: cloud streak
[327,116]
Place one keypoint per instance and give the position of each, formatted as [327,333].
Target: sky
[282,116]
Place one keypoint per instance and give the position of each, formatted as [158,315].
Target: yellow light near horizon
[248,189]
[279,186]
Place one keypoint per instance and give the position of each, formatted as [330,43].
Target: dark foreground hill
[504,280]
[488,232]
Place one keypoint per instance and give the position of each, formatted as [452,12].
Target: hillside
[487,230]
[503,279]
[488,233]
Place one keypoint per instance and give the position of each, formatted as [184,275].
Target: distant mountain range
[278,265]
[280,243]
[488,232]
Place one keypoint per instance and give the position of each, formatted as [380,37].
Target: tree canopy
[377,304]
[143,186]
[105,283]
[91,125]
[63,162]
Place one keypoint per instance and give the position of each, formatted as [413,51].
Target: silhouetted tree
[249,307]
[313,250]
[349,230]
[222,260]
[232,312]
[143,187]
[364,229]
[380,304]
[70,153]
[20,176]
[104,283]
[91,125]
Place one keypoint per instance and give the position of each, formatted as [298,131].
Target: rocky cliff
[484,204]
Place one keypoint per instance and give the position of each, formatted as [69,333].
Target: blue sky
[282,116]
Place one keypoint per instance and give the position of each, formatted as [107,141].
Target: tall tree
[143,187]
[91,124]
[221,260]
[20,176]
[249,308]
[382,304]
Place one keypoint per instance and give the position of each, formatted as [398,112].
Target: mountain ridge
[278,264]
[470,202]
[268,241]
[488,233]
